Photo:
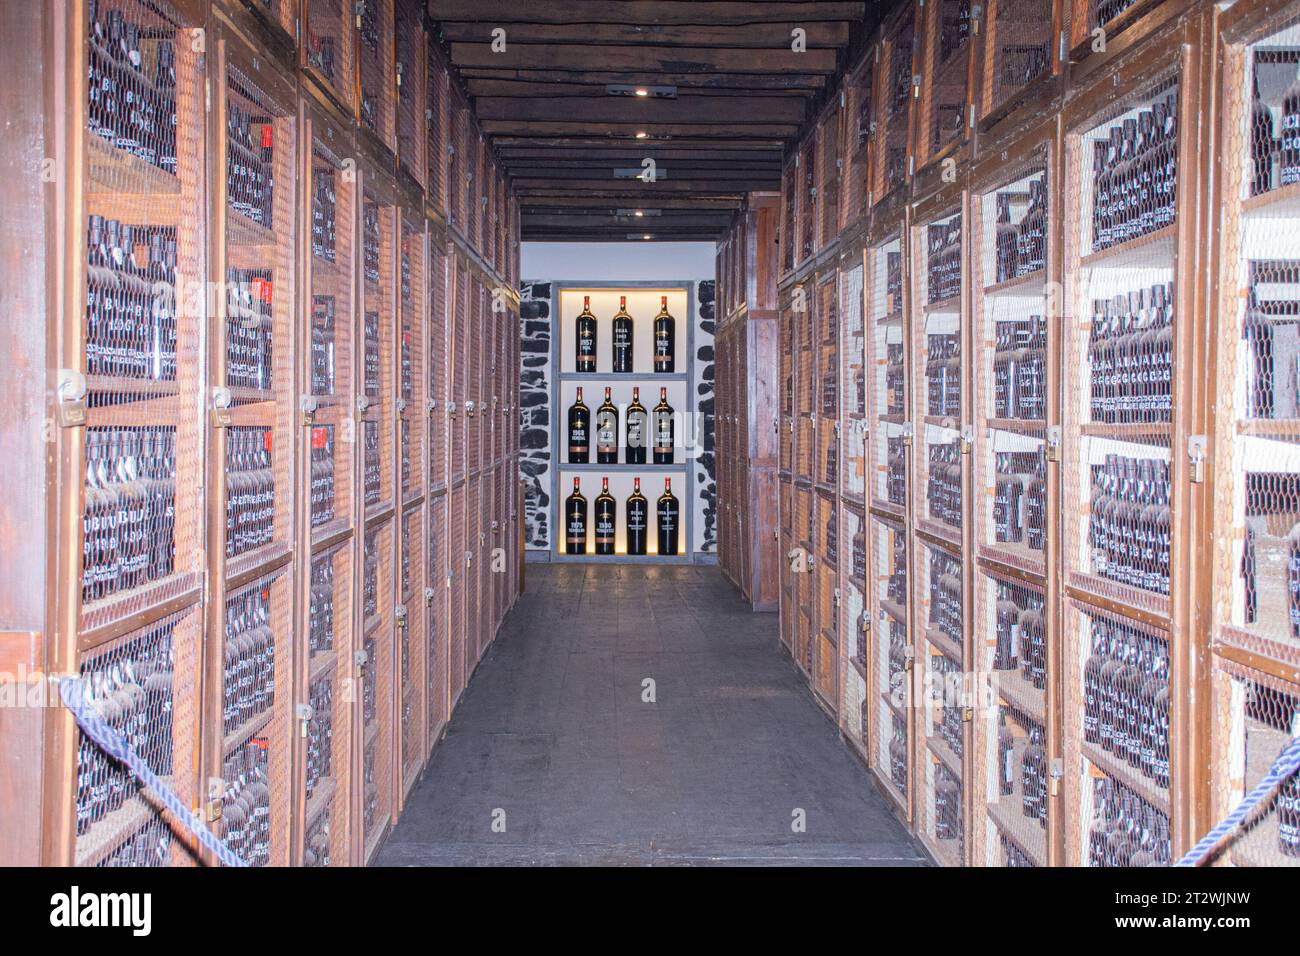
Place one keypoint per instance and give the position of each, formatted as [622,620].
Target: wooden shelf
[939,747]
[1280,203]
[1158,245]
[894,610]
[1130,777]
[106,835]
[1010,824]
[320,799]
[946,645]
[247,729]
[1030,428]
[241,230]
[125,385]
[1021,694]
[1141,433]
[322,662]
[950,305]
[1028,286]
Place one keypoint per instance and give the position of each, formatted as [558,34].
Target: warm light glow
[646,236]
[642,91]
[642,134]
[638,213]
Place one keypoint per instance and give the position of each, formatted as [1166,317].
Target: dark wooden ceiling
[571,147]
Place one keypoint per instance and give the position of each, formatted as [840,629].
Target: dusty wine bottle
[665,333]
[663,426]
[607,431]
[638,431]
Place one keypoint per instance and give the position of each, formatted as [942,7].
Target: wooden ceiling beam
[539,88]
[775,36]
[691,142]
[563,155]
[661,12]
[616,109]
[638,191]
[624,130]
[606,173]
[702,81]
[540,200]
[624,59]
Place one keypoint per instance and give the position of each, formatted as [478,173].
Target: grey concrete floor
[553,731]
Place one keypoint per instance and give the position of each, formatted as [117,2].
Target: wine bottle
[638,430]
[622,337]
[638,517]
[579,431]
[575,520]
[668,514]
[607,432]
[585,360]
[606,520]
[663,425]
[665,331]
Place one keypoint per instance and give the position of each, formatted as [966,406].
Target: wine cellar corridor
[481,432]
[555,732]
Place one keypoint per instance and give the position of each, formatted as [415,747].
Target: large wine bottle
[606,518]
[665,338]
[638,431]
[579,431]
[585,359]
[638,517]
[663,422]
[669,513]
[575,521]
[607,431]
[622,337]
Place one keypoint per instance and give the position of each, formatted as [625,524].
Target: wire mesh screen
[891,658]
[1012,372]
[256,696]
[142,199]
[892,433]
[938,338]
[329,48]
[942,113]
[855,626]
[375,70]
[786,386]
[829,151]
[1117,735]
[826,463]
[413,644]
[1256,715]
[1102,12]
[859,128]
[895,95]
[457,586]
[939,603]
[377,684]
[437,126]
[378,220]
[412,379]
[853,386]
[437,595]
[1017,49]
[789,180]
[131,684]
[1010,645]
[1119,351]
[409,52]
[331,694]
[1257,397]
[457,359]
[807,177]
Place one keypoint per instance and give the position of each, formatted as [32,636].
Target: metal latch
[916,86]
[399,615]
[908,432]
[304,713]
[1053,442]
[428,597]
[71,392]
[1196,452]
[469,409]
[469,559]
[967,439]
[909,658]
[401,406]
[1056,771]
[307,405]
[866,624]
[835,597]
[213,808]
[359,660]
[221,402]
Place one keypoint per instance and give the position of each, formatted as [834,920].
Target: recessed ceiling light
[647,91]
[642,91]
[642,134]
[638,213]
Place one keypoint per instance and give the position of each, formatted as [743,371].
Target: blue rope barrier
[1287,763]
[73,693]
